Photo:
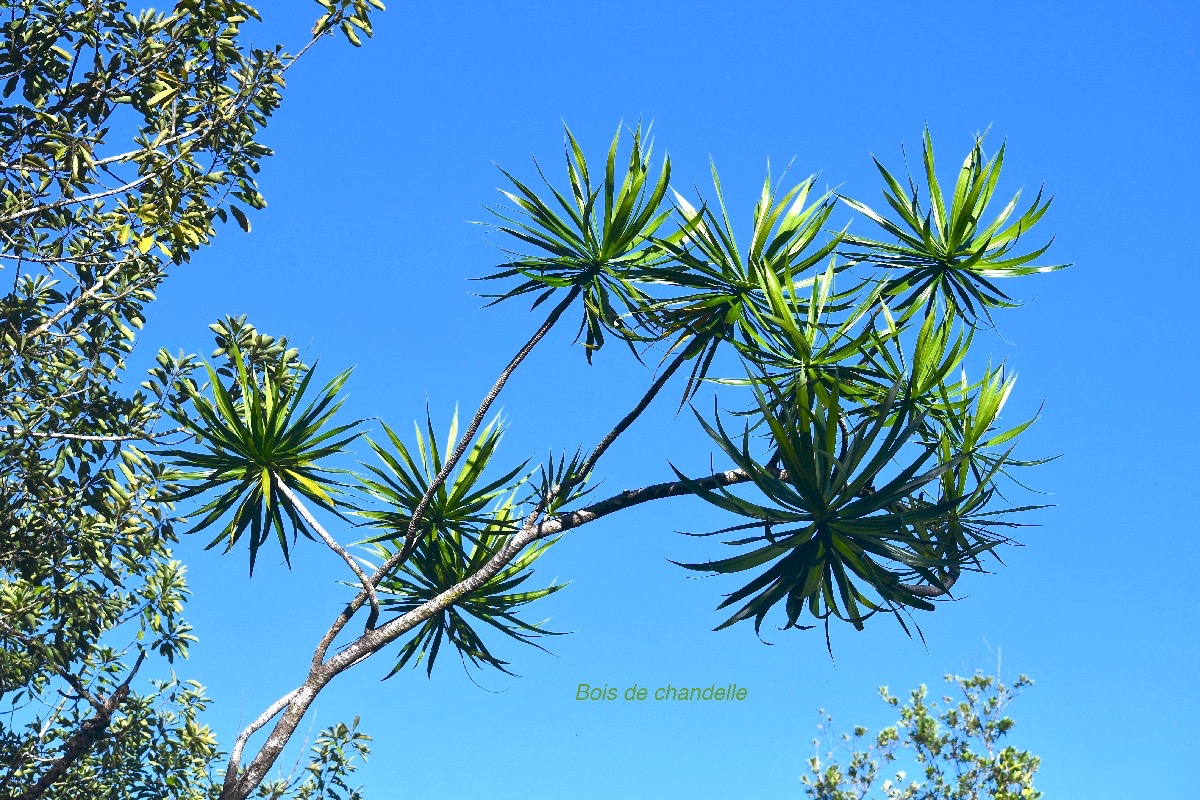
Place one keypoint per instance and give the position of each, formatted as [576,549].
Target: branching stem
[239,745]
[411,536]
[90,731]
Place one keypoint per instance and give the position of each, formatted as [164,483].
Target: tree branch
[373,640]
[90,731]
[930,591]
[629,418]
[369,643]
[368,587]
[82,437]
[632,497]
[239,744]
[87,198]
[296,703]
[85,295]
[411,536]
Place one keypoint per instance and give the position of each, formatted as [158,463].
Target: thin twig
[629,418]
[87,198]
[82,437]
[368,587]
[477,420]
[632,497]
[83,296]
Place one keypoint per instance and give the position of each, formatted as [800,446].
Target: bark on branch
[632,497]
[90,731]
[411,535]
[294,705]
[930,591]
[331,543]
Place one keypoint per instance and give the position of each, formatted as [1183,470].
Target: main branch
[296,703]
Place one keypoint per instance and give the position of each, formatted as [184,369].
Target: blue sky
[363,256]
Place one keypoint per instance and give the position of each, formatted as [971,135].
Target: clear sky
[363,256]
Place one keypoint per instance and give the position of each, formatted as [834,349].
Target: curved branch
[235,757]
[410,540]
[930,591]
[87,198]
[368,587]
[296,703]
[369,643]
[375,639]
[632,497]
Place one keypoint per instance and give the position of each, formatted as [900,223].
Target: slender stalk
[632,497]
[370,642]
[16,216]
[368,587]
[295,704]
[629,418]
[80,437]
[238,785]
[85,295]
[476,421]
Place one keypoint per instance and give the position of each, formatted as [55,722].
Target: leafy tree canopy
[956,750]
[126,136]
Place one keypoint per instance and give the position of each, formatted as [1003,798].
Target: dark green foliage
[438,563]
[462,530]
[254,438]
[879,465]
[597,246]
[459,506]
[830,529]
